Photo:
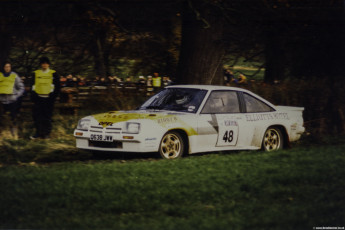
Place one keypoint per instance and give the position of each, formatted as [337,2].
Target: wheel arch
[284,132]
[184,135]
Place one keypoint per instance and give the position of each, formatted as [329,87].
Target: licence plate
[101,137]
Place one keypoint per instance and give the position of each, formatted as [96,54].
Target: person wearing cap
[11,91]
[45,87]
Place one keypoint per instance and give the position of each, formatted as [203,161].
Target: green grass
[60,147]
[300,188]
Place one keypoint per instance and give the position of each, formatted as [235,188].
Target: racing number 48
[228,136]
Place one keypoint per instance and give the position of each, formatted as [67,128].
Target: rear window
[254,105]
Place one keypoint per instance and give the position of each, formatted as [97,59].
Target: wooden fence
[73,98]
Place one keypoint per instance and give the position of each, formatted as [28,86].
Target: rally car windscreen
[176,99]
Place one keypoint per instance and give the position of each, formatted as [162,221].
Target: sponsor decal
[230,123]
[104,123]
[166,120]
[150,139]
[266,116]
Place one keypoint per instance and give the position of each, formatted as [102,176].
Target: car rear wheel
[273,139]
[172,145]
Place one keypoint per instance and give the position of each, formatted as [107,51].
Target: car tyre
[273,139]
[172,145]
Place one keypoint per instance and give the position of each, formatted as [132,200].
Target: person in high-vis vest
[156,82]
[45,87]
[11,91]
[242,79]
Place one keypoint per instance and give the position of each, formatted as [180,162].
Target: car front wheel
[273,139]
[171,146]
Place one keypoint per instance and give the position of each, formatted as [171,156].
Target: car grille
[100,129]
[112,130]
[96,129]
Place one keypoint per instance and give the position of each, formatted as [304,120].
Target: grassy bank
[299,188]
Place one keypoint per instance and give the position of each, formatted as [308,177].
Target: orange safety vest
[7,83]
[44,82]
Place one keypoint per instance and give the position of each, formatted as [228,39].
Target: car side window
[253,105]
[222,102]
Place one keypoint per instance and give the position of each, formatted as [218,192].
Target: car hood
[113,117]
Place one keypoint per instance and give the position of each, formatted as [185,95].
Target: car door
[220,121]
[259,116]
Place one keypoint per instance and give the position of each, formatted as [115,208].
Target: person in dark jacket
[45,87]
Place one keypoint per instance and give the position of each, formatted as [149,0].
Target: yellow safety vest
[7,83]
[44,82]
[242,79]
[156,81]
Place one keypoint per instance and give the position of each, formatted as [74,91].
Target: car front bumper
[119,143]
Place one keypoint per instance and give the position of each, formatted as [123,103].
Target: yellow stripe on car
[107,119]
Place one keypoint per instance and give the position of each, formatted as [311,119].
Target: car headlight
[84,124]
[132,127]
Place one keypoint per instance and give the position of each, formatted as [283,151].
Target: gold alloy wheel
[171,146]
[272,139]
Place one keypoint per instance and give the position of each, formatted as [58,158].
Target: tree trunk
[99,59]
[275,57]
[202,48]
[5,46]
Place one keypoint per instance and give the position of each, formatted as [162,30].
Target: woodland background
[297,43]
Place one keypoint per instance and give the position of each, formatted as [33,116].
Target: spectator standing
[45,87]
[228,77]
[110,80]
[69,80]
[141,84]
[129,80]
[117,80]
[149,84]
[63,81]
[141,81]
[102,82]
[242,79]
[156,81]
[166,81]
[11,91]
[81,81]
[128,83]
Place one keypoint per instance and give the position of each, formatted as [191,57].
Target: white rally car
[189,119]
